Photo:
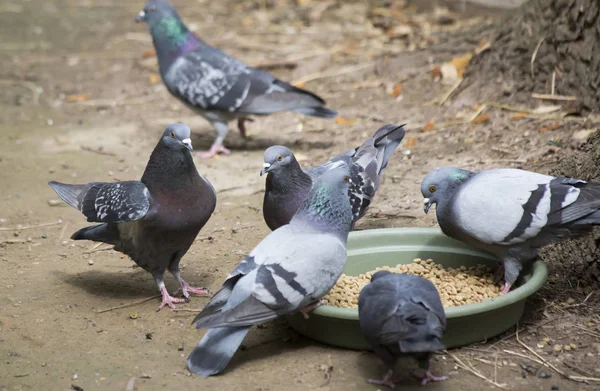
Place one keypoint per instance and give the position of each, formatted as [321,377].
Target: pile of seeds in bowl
[463,285]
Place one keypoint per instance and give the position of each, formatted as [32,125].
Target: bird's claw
[311,307]
[386,381]
[505,288]
[214,150]
[169,300]
[429,377]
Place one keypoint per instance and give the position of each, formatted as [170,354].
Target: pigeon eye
[172,135]
[432,189]
[280,158]
[346,179]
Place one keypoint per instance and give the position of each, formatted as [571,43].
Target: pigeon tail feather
[71,194]
[107,233]
[321,112]
[215,350]
[387,139]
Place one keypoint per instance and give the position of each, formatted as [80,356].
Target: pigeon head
[380,274]
[177,136]
[276,158]
[441,184]
[327,207]
[156,10]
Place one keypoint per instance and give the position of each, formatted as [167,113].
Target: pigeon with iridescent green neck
[290,270]
[219,87]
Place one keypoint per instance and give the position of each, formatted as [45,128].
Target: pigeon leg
[386,381]
[242,126]
[311,307]
[512,269]
[505,288]
[429,377]
[498,274]
[217,147]
[166,298]
[184,287]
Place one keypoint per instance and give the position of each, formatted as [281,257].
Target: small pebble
[555,388]
[557,348]
[180,348]
[90,262]
[545,375]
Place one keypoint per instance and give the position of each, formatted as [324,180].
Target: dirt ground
[80,102]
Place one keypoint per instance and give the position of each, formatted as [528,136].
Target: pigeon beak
[141,17]
[188,144]
[265,169]
[428,203]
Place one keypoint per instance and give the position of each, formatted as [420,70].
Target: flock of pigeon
[508,212]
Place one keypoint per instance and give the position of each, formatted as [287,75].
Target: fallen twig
[581,379]
[449,92]
[30,226]
[332,73]
[473,370]
[534,55]
[13,241]
[129,304]
[553,97]
[62,231]
[197,311]
[98,151]
[35,90]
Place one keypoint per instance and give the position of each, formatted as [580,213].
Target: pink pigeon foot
[505,289]
[187,289]
[215,149]
[429,377]
[386,381]
[169,300]
[311,307]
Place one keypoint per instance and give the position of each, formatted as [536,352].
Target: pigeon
[510,213]
[288,185]
[402,314]
[219,87]
[154,220]
[289,270]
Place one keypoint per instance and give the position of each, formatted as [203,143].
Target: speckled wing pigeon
[289,270]
[155,220]
[288,185]
[509,212]
[217,86]
[402,314]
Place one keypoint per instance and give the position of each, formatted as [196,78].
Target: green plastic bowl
[388,247]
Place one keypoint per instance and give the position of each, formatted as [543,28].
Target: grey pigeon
[402,314]
[219,87]
[154,220]
[510,213]
[289,270]
[288,185]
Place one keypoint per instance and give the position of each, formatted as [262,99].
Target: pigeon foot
[429,377]
[242,126]
[311,307]
[214,150]
[187,289]
[169,300]
[505,288]
[386,381]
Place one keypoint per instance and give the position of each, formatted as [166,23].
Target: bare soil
[80,102]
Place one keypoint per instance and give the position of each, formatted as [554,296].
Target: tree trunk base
[542,41]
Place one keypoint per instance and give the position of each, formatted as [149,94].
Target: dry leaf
[399,31]
[397,90]
[436,71]
[460,63]
[300,84]
[428,126]
[481,118]
[154,78]
[551,126]
[344,121]
[546,109]
[449,73]
[410,142]
[78,97]
[149,53]
[483,45]
[519,115]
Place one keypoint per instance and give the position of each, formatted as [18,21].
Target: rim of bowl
[538,277]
